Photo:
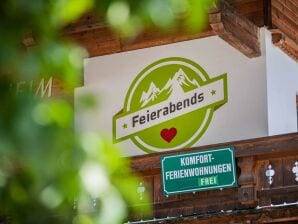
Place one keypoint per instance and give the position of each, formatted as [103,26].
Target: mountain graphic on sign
[150,95]
[175,86]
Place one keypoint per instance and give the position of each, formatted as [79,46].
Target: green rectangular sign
[198,171]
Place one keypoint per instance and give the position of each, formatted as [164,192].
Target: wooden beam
[155,38]
[284,17]
[231,21]
[235,29]
[267,13]
[253,147]
[280,190]
[99,39]
[83,28]
[286,215]
[285,43]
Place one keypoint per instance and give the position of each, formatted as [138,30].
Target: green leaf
[67,11]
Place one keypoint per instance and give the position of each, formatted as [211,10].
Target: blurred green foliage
[49,173]
[131,17]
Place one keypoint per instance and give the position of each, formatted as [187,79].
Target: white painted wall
[282,87]
[243,117]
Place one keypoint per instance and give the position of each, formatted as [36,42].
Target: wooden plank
[287,12]
[268,145]
[291,5]
[277,165]
[98,42]
[248,7]
[213,200]
[229,12]
[239,2]
[284,24]
[256,17]
[234,42]
[101,40]
[155,38]
[245,38]
[279,190]
[281,15]
[286,44]
[288,175]
[285,28]
[98,39]
[158,196]
[262,181]
[288,214]
[252,147]
[236,30]
[290,48]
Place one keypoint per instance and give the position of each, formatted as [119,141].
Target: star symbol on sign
[213,92]
[124,125]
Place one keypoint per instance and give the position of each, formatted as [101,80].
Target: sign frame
[196,189]
[163,97]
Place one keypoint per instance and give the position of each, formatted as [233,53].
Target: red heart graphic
[168,134]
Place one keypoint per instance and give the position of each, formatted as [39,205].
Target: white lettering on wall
[43,89]
[19,88]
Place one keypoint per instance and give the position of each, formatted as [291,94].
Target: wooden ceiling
[285,19]
[235,21]
[253,10]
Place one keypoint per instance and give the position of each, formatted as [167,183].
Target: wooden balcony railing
[255,191]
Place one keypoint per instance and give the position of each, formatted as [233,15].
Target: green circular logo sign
[169,105]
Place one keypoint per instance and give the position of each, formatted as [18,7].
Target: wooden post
[246,190]
[267,13]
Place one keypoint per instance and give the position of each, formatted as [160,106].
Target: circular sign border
[170,60]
